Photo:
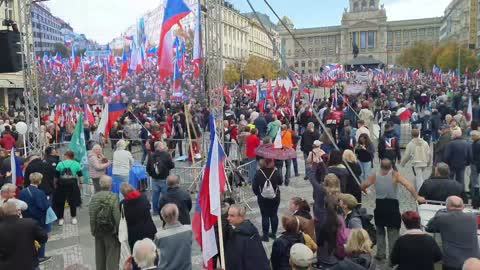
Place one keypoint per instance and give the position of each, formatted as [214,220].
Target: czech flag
[175,10]
[208,206]
[110,114]
[16,169]
[124,65]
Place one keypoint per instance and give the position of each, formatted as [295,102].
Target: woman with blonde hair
[121,165]
[353,181]
[98,165]
[359,249]
[332,185]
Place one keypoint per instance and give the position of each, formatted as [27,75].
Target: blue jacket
[37,202]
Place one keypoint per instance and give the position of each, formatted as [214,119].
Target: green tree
[257,68]
[231,75]
[418,56]
[449,55]
[62,49]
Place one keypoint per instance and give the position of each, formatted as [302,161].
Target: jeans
[382,233]
[159,187]
[435,136]
[145,151]
[459,175]
[295,166]
[288,166]
[366,169]
[252,169]
[180,148]
[307,166]
[269,212]
[118,180]
[420,176]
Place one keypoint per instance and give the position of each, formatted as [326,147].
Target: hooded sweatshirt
[417,151]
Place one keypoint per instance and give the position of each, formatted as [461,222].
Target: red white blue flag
[16,169]
[208,206]
[175,10]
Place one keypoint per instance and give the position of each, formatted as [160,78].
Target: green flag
[78,146]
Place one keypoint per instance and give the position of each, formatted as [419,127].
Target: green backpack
[104,220]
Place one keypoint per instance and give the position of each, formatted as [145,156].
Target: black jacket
[138,217]
[244,249]
[343,175]
[281,250]
[162,158]
[476,154]
[17,236]
[392,153]
[259,181]
[436,121]
[353,186]
[458,154]
[308,138]
[439,189]
[440,146]
[415,252]
[183,201]
[47,169]
[261,125]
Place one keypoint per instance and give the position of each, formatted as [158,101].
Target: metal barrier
[189,177]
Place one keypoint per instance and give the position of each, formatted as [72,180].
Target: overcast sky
[102,20]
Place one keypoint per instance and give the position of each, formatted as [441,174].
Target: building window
[355,7]
[317,52]
[309,63]
[303,64]
[296,64]
[316,63]
[371,40]
[372,3]
[354,38]
[364,5]
[363,40]
[389,38]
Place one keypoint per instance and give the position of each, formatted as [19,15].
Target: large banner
[127,70]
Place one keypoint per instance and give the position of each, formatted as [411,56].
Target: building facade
[46,28]
[457,22]
[364,24]
[242,35]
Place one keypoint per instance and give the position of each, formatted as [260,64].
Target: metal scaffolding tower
[213,56]
[30,77]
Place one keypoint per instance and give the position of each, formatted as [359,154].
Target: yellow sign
[472,38]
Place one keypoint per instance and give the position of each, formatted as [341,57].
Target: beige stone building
[457,23]
[364,23]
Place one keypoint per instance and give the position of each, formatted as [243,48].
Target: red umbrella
[268,151]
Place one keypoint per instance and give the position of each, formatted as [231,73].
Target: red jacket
[7,142]
[252,142]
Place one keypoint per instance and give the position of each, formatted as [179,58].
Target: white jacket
[418,152]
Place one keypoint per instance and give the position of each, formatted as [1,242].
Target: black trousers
[269,212]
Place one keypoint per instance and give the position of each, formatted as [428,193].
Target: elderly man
[301,257]
[458,231]
[175,194]
[158,167]
[243,247]
[175,242]
[439,187]
[145,254]
[7,194]
[458,155]
[104,220]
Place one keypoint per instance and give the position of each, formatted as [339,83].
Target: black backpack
[367,224]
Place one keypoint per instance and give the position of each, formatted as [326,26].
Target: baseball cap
[301,255]
[317,143]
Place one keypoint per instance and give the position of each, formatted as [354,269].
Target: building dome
[288,22]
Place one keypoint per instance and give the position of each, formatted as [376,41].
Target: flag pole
[220,241]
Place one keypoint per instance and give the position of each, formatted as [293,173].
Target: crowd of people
[340,142]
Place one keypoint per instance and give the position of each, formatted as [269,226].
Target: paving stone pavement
[73,244]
